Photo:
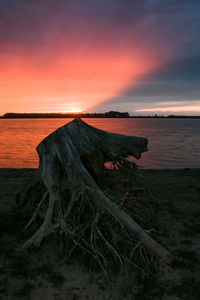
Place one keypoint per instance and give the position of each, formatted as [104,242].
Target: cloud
[132,22]
[177,79]
[156,44]
[176,84]
[175,23]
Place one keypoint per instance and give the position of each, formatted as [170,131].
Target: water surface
[173,143]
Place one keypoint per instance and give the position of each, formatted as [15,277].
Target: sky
[139,56]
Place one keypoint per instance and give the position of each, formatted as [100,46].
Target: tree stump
[69,195]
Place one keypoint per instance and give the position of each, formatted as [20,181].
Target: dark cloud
[153,25]
[182,69]
[24,24]
[174,22]
[177,81]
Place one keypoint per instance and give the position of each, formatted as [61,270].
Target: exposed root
[72,197]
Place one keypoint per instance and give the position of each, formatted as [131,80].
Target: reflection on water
[173,143]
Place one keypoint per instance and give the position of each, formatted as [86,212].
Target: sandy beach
[44,274]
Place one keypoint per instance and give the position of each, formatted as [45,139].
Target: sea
[172,143]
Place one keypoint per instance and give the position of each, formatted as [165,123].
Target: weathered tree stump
[68,194]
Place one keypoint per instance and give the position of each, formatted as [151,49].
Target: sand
[44,274]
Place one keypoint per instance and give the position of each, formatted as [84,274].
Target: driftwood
[68,194]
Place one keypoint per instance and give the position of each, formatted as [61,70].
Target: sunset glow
[74,83]
[70,56]
[73,111]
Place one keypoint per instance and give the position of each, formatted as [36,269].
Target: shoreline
[96,117]
[12,181]
[177,193]
[141,169]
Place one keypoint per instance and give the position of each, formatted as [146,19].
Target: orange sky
[75,82]
[63,56]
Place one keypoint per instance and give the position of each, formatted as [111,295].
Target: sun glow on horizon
[97,56]
[69,84]
[73,111]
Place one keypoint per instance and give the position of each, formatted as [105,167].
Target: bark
[68,192]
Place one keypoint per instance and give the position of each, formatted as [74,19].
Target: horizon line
[114,114]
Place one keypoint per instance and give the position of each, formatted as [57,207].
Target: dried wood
[67,193]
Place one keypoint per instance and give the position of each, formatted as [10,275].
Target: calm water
[173,143]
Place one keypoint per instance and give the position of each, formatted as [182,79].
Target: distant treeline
[110,114]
